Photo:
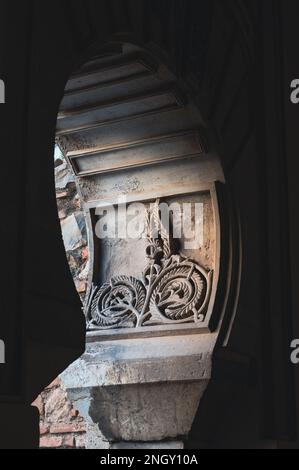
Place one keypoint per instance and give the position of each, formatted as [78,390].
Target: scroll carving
[172,290]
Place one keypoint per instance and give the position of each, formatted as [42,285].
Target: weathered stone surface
[84,274]
[72,233]
[63,176]
[61,194]
[80,441]
[148,412]
[54,384]
[142,360]
[58,162]
[142,389]
[81,287]
[173,445]
[62,214]
[57,407]
[94,438]
[80,218]
[69,442]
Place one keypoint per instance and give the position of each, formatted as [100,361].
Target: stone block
[141,389]
[51,442]
[57,407]
[73,232]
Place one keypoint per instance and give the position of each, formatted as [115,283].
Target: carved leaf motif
[173,288]
[180,293]
[118,303]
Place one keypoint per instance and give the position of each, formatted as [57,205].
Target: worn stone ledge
[146,360]
[140,390]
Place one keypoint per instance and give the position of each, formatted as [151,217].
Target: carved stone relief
[173,289]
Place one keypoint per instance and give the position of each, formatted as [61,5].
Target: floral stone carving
[172,290]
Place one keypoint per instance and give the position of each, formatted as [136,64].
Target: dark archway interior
[231,55]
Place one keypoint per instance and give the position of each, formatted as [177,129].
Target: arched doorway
[136,143]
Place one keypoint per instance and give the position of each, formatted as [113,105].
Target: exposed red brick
[51,442]
[43,429]
[67,428]
[57,407]
[61,195]
[85,254]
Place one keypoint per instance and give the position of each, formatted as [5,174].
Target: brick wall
[61,427]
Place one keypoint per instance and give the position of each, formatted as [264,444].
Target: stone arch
[130,129]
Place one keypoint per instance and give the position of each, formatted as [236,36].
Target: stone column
[143,390]
[155,301]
